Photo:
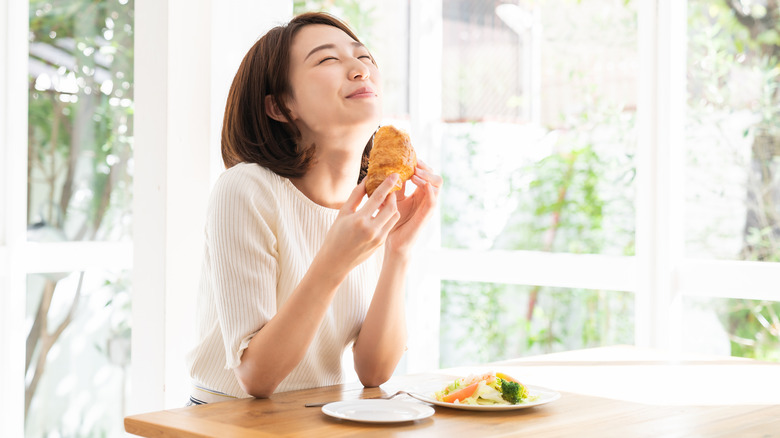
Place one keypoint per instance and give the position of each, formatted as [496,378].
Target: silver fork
[381,397]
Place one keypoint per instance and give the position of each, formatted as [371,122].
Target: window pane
[80,120]
[733,131]
[539,106]
[78,353]
[736,327]
[483,322]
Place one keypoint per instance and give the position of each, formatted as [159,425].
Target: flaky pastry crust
[392,153]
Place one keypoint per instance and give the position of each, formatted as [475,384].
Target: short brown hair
[249,134]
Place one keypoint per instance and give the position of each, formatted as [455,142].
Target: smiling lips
[362,92]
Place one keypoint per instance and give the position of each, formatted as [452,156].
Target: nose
[358,70]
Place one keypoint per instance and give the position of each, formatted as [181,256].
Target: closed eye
[325,59]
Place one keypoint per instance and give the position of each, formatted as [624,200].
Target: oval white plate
[377,411]
[544,396]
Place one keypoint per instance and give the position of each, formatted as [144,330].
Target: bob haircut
[249,134]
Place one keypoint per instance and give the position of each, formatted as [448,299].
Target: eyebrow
[330,46]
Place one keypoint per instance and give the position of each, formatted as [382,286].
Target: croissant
[392,153]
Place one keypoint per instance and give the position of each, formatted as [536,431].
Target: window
[593,153]
[68,226]
[732,170]
[539,108]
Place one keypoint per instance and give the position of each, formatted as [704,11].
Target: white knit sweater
[262,234]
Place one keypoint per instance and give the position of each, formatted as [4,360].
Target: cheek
[320,86]
[375,72]
[378,78]
[314,100]
[306,98]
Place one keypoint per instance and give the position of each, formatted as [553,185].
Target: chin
[370,122]
[370,116]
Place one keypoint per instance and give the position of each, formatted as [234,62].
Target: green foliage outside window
[738,43]
[79,188]
[80,118]
[561,200]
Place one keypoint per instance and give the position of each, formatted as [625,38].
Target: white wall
[186,55]
[13,181]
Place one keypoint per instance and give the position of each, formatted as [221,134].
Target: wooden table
[606,392]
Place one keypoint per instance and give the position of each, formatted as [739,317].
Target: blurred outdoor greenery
[79,188]
[579,197]
[734,72]
[572,192]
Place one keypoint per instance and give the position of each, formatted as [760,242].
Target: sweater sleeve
[244,258]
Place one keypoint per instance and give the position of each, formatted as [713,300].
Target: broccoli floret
[513,392]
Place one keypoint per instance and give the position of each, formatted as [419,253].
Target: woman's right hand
[354,236]
[357,233]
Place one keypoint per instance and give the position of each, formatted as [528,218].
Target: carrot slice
[505,377]
[461,394]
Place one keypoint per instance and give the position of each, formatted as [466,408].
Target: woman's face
[335,84]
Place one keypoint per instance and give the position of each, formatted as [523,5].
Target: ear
[273,110]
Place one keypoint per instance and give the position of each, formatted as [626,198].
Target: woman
[295,269]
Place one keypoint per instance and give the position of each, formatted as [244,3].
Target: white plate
[377,411]
[543,395]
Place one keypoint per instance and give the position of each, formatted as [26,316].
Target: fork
[381,397]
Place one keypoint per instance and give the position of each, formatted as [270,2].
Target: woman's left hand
[415,210]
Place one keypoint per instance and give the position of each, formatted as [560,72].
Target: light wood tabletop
[605,392]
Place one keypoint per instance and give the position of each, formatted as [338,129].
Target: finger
[421,164]
[431,177]
[419,182]
[389,208]
[427,203]
[380,193]
[390,215]
[432,193]
[425,167]
[388,226]
[353,202]
[400,195]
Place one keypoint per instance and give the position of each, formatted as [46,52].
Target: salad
[485,389]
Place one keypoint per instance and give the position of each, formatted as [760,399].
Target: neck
[331,179]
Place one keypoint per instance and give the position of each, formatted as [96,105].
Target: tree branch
[43,340]
[83,120]
[758,26]
[55,133]
[47,340]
